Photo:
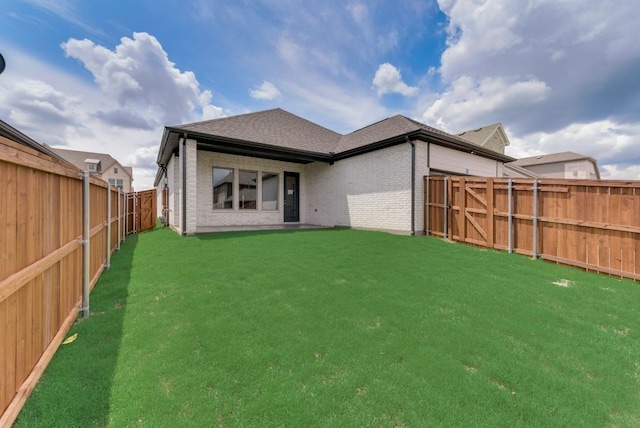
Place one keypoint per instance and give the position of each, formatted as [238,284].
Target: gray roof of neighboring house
[518,171]
[278,134]
[552,158]
[480,136]
[79,158]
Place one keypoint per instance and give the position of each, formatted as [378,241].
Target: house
[101,165]
[557,165]
[492,137]
[275,168]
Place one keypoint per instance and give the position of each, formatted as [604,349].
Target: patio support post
[510,230]
[86,218]
[534,250]
[184,184]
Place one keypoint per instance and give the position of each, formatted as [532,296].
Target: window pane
[248,185]
[222,188]
[269,191]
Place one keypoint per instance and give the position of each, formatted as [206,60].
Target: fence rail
[43,248]
[594,225]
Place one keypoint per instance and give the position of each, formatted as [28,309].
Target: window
[222,188]
[269,191]
[247,199]
[116,182]
[92,167]
[115,170]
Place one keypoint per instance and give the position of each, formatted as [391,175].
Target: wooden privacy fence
[591,224]
[51,250]
[141,211]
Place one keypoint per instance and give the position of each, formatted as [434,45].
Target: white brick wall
[370,191]
[207,216]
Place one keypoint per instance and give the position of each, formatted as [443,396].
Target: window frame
[241,201]
[231,187]
[277,191]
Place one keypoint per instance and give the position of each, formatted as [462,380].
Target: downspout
[184,184]
[413,186]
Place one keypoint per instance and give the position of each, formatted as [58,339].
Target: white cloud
[138,91]
[467,103]
[359,13]
[388,80]
[612,144]
[583,50]
[266,91]
[138,73]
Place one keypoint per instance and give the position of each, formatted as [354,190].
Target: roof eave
[236,146]
[463,146]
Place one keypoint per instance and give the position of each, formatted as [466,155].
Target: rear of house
[275,168]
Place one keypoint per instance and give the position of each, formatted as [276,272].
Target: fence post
[108,262]
[119,219]
[446,211]
[86,245]
[510,216]
[490,212]
[134,219]
[534,250]
[427,204]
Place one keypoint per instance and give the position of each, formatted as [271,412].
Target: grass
[343,328]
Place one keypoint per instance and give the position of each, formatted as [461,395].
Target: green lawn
[343,328]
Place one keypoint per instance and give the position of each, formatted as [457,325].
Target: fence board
[41,283]
[590,224]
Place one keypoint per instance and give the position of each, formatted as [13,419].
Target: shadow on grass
[212,236]
[75,388]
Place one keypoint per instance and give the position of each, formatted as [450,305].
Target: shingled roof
[275,127]
[278,134]
[552,158]
[79,159]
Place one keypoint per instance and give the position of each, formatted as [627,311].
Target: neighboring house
[101,165]
[490,137]
[557,165]
[275,168]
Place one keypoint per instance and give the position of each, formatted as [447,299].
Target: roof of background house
[481,136]
[552,158]
[79,159]
[519,171]
[281,135]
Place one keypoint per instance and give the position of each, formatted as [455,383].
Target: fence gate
[141,211]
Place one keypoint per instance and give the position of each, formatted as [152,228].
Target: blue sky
[107,76]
